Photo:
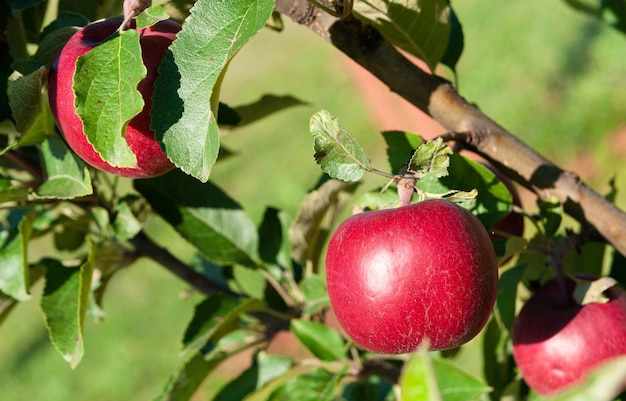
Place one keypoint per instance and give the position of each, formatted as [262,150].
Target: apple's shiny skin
[398,276]
[155,40]
[557,341]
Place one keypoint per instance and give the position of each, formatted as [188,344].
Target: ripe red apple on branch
[557,340]
[397,277]
[154,41]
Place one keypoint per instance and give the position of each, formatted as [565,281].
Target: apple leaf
[214,317]
[493,201]
[25,98]
[587,292]
[507,293]
[419,27]
[187,88]
[323,342]
[107,97]
[431,157]
[67,175]
[14,274]
[336,151]
[205,216]
[266,105]
[400,147]
[64,304]
[430,379]
[10,192]
[316,385]
[185,383]
[264,369]
[151,16]
[455,43]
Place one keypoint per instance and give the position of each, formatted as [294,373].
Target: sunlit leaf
[64,304]
[420,27]
[431,157]
[323,342]
[184,383]
[187,89]
[204,215]
[336,151]
[67,176]
[14,271]
[107,98]
[151,16]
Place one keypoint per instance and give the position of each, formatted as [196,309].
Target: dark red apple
[557,341]
[155,40]
[399,276]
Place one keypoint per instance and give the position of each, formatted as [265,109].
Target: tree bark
[438,98]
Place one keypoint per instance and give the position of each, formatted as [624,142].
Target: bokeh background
[550,75]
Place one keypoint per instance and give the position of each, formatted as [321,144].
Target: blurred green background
[552,76]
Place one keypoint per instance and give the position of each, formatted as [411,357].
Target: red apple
[151,161]
[399,276]
[556,341]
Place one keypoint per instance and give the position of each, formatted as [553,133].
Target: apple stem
[133,8]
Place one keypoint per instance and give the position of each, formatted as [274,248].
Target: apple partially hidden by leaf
[557,341]
[132,142]
[397,277]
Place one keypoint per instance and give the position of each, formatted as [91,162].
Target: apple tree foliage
[47,191]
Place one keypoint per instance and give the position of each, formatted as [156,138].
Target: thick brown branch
[438,98]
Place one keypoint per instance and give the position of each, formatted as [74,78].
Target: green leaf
[214,317]
[424,378]
[493,201]
[265,106]
[455,43]
[400,148]
[274,246]
[54,40]
[184,384]
[25,98]
[551,215]
[313,288]
[507,293]
[126,225]
[64,304]
[14,271]
[9,192]
[317,385]
[151,16]
[323,342]
[336,151]
[67,175]
[107,97]
[204,215]
[264,369]
[420,27]
[187,88]
[431,157]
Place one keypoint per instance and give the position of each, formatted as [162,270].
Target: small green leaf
[25,98]
[493,201]
[107,97]
[432,157]
[551,215]
[14,271]
[184,384]
[151,16]
[65,19]
[274,246]
[336,151]
[317,385]
[424,378]
[400,148]
[214,317]
[125,225]
[455,43]
[187,88]
[53,41]
[64,304]
[264,369]
[507,293]
[265,106]
[420,27]
[323,342]
[10,192]
[205,216]
[67,175]
[313,288]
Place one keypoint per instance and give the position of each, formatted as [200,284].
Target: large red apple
[557,341]
[399,276]
[155,40]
